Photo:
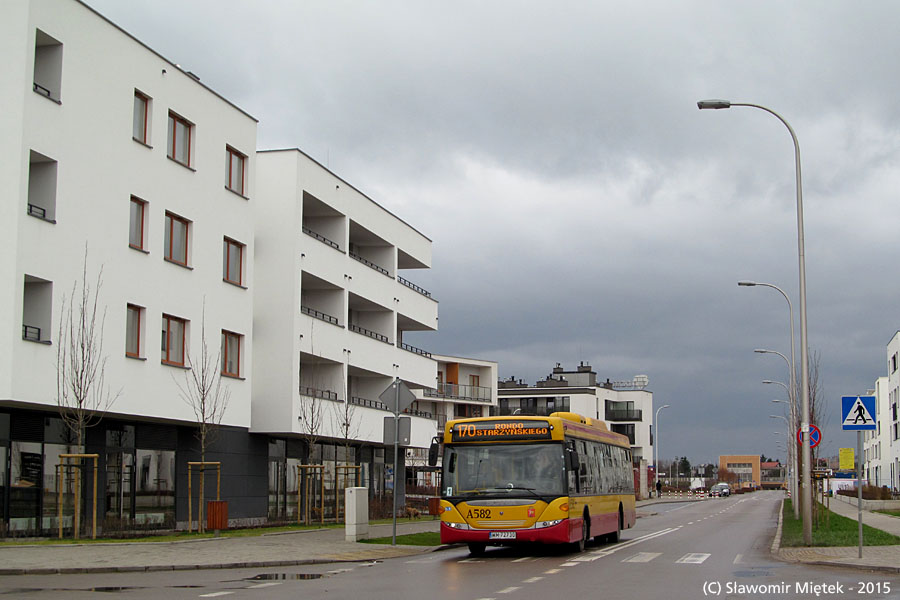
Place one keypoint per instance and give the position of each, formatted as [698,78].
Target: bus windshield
[504,470]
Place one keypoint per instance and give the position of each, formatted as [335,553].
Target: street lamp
[656,444]
[806,489]
[792,426]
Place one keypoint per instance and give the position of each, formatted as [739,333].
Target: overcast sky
[580,205]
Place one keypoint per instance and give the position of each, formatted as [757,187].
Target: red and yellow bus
[561,479]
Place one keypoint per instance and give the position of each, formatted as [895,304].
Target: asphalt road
[716,548]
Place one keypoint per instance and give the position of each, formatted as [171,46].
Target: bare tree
[82,393]
[203,391]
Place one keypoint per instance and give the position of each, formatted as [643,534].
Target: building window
[173,337]
[42,187]
[234,167]
[231,353]
[139,128]
[177,236]
[233,261]
[48,53]
[36,309]
[133,324]
[180,131]
[136,224]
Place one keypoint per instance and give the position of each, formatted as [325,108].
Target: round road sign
[815,436]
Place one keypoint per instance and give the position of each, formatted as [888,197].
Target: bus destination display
[498,431]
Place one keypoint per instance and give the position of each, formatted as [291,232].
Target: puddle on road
[284,576]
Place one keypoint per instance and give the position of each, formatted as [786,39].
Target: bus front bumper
[560,533]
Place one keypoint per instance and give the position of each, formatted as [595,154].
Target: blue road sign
[858,413]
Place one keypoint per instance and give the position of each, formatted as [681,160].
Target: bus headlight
[457,525]
[543,524]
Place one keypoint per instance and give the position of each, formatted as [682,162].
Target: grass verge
[833,531]
[427,538]
[892,513]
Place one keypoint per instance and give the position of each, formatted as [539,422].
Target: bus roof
[530,428]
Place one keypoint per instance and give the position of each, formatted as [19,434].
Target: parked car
[720,489]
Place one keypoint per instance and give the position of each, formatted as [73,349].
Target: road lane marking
[214,594]
[532,579]
[601,553]
[470,560]
[570,564]
[738,559]
[643,557]
[552,571]
[693,558]
[523,559]
[264,585]
[509,590]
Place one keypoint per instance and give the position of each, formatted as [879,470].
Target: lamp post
[792,425]
[805,487]
[656,445]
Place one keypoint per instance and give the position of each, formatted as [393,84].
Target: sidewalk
[269,550]
[875,558]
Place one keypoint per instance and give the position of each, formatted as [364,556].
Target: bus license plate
[502,535]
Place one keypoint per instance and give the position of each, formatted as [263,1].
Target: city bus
[561,479]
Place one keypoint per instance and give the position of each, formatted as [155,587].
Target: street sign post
[397,397]
[858,414]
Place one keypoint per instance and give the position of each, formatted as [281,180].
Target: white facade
[625,407]
[71,169]
[877,444]
[329,327]
[891,425]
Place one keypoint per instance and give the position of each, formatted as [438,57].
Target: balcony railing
[376,404]
[415,350]
[460,392]
[525,412]
[413,286]
[370,264]
[319,315]
[37,211]
[623,415]
[369,333]
[321,238]
[317,393]
[32,334]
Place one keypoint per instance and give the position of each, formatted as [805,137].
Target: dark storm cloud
[581,207]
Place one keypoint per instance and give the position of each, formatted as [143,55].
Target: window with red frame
[180,131]
[141,112]
[133,331]
[177,232]
[234,170]
[231,353]
[173,340]
[136,223]
[233,261]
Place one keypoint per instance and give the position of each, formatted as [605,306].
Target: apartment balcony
[452,391]
[378,405]
[624,415]
[523,412]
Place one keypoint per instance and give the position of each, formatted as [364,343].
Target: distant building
[772,475]
[745,467]
[625,406]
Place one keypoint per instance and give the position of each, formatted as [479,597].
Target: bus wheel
[615,536]
[585,534]
[476,548]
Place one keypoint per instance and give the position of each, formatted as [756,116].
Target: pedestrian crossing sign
[857,413]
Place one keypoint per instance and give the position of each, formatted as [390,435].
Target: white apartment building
[877,444]
[890,425]
[296,282]
[329,327]
[112,150]
[626,407]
